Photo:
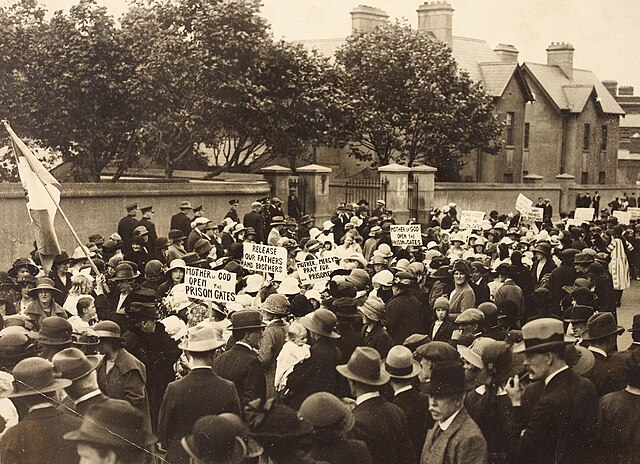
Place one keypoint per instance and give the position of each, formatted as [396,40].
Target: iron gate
[300,186]
[366,189]
[412,198]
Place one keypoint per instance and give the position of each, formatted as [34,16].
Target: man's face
[578,328]
[124,286]
[425,373]
[5,293]
[537,364]
[148,326]
[135,247]
[442,407]
[90,455]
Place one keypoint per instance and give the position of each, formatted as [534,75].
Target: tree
[411,103]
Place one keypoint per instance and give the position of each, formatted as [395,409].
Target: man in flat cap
[127,224]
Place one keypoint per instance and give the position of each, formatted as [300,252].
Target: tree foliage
[411,103]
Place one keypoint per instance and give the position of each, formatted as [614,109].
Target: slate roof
[496,76]
[469,53]
[572,94]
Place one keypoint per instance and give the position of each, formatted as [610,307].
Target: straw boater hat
[541,334]
[364,366]
[400,363]
[321,322]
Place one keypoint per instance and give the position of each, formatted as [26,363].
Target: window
[603,142]
[510,119]
[586,137]
[584,179]
[525,143]
[507,178]
[602,177]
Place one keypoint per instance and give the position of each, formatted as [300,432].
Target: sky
[603,33]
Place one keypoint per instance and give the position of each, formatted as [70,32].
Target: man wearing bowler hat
[38,435]
[562,427]
[455,438]
[241,363]
[601,334]
[200,393]
[128,223]
[380,424]
[182,221]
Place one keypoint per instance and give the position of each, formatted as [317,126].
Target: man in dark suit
[403,370]
[601,335]
[480,283]
[240,363]
[127,224]
[562,427]
[255,219]
[38,435]
[147,214]
[455,438]
[380,424]
[233,210]
[403,311]
[200,393]
[182,221]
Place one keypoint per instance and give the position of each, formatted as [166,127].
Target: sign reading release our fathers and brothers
[264,258]
[210,285]
[406,234]
[315,270]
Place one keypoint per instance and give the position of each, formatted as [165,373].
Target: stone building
[629,150]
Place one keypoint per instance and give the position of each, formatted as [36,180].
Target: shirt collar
[200,367]
[632,390]
[88,396]
[551,376]
[598,350]
[402,390]
[41,406]
[247,345]
[444,425]
[366,396]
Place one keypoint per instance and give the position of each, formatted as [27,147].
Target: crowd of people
[497,345]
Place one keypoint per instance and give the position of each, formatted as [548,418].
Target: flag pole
[64,216]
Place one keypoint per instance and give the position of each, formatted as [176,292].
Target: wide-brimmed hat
[321,322]
[185,205]
[43,283]
[579,359]
[203,338]
[400,364]
[506,269]
[443,272]
[124,271]
[579,313]
[73,364]
[462,266]
[107,329]
[34,376]
[254,283]
[447,378]
[373,308]
[276,304]
[7,282]
[249,319]
[193,259]
[176,264]
[54,330]
[306,219]
[324,410]
[115,424]
[23,262]
[140,311]
[61,258]
[580,282]
[16,344]
[278,221]
[541,334]
[364,366]
[216,439]
[384,250]
[601,325]
[356,257]
[154,271]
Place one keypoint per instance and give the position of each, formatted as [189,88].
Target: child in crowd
[294,351]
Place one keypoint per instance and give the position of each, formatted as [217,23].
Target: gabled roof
[496,76]
[572,94]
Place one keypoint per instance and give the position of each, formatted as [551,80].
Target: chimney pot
[437,18]
[625,90]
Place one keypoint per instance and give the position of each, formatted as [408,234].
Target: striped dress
[619,265]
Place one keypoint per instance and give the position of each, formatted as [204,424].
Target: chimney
[626,90]
[367,18]
[507,53]
[561,54]
[437,18]
[634,145]
[611,86]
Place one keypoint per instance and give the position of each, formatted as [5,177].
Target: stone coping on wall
[468,186]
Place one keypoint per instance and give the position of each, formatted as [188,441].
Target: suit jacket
[125,381]
[126,227]
[181,221]
[510,291]
[415,406]
[255,220]
[383,427]
[37,438]
[378,338]
[403,314]
[547,268]
[242,366]
[607,375]
[481,290]
[561,427]
[200,393]
[461,443]
[444,331]
[192,238]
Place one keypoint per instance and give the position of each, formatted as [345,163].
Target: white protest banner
[584,214]
[210,285]
[406,234]
[315,270]
[523,204]
[471,220]
[265,258]
[623,217]
[534,214]
[635,213]
[573,222]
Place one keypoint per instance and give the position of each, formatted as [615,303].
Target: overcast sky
[605,34]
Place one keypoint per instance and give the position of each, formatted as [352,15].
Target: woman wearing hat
[274,311]
[441,282]
[374,334]
[174,275]
[61,276]
[462,296]
[43,304]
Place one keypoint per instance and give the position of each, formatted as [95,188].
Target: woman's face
[441,313]
[64,267]
[44,297]
[378,267]
[26,289]
[135,247]
[177,275]
[459,278]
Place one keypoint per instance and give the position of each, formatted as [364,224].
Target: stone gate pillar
[397,177]
[565,180]
[278,177]
[426,178]
[315,179]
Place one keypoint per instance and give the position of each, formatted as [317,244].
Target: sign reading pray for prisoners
[471,220]
[624,217]
[406,234]
[210,285]
[523,204]
[315,270]
[264,258]
[534,214]
[584,214]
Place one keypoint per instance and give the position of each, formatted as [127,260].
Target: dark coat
[605,376]
[37,314]
[349,339]
[255,220]
[181,221]
[620,425]
[294,209]
[510,291]
[84,406]
[562,425]
[126,227]
[560,277]
[106,309]
[232,214]
[378,338]
[153,234]
[415,406]
[461,443]
[491,413]
[547,268]
[481,290]
[37,438]
[192,238]
[242,366]
[383,427]
[444,331]
[200,393]
[273,339]
[64,288]
[403,314]
[340,451]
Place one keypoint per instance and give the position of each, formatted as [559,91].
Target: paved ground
[630,306]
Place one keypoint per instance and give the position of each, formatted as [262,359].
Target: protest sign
[406,234]
[210,285]
[584,214]
[635,213]
[316,269]
[623,217]
[471,220]
[523,204]
[265,258]
[574,222]
[534,214]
